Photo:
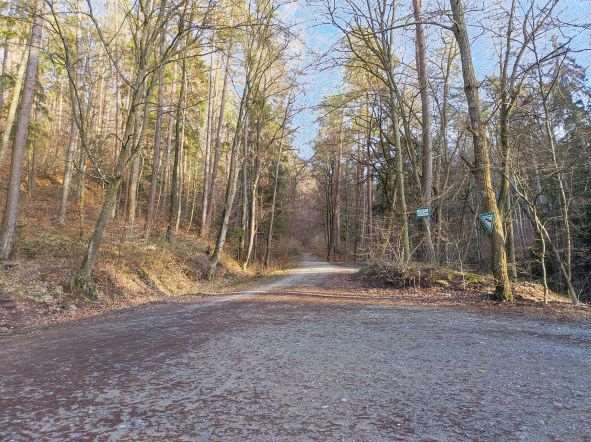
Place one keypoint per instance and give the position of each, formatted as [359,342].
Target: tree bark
[244,214]
[210,213]
[427,157]
[11,208]
[82,278]
[482,169]
[178,146]
[207,148]
[402,190]
[335,234]
[267,261]
[252,215]
[134,177]
[155,179]
[231,186]
[68,172]
[5,53]
[16,93]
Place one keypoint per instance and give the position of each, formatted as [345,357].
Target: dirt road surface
[262,366]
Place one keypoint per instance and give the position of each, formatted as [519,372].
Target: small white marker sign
[423,212]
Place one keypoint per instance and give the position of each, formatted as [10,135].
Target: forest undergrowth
[35,286]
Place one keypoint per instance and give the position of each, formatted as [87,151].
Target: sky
[316,39]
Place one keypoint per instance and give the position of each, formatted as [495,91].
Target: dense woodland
[181,113]
[416,127]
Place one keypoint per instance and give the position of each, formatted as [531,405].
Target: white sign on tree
[423,212]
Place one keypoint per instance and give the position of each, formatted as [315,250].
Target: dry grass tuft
[35,285]
[423,276]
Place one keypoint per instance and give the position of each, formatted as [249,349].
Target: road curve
[257,366]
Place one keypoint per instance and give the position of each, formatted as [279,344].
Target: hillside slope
[35,283]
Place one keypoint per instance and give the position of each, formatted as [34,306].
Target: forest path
[310,271]
[281,367]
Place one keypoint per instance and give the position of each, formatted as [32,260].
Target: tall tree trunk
[402,191]
[244,214]
[229,202]
[427,157]
[178,145]
[11,208]
[5,53]
[182,171]
[82,279]
[165,179]
[32,163]
[217,146]
[155,179]
[81,192]
[252,215]
[68,172]
[483,169]
[133,132]
[273,204]
[194,198]
[132,190]
[444,155]
[117,134]
[231,186]
[16,93]
[207,149]
[336,204]
[369,207]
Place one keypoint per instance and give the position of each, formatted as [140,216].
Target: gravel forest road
[279,367]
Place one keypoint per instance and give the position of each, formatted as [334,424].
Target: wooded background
[168,116]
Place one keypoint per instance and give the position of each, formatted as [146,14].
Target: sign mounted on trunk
[423,212]
[487,221]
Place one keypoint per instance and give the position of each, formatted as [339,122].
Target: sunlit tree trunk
[231,186]
[134,177]
[268,249]
[207,157]
[11,208]
[175,190]
[209,214]
[5,54]
[254,185]
[14,101]
[68,172]
[483,169]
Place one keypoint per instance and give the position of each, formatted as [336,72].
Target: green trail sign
[423,212]
[487,221]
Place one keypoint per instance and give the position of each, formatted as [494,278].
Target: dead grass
[418,276]
[444,287]
[35,285]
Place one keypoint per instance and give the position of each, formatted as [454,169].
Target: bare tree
[11,208]
[427,157]
[482,167]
